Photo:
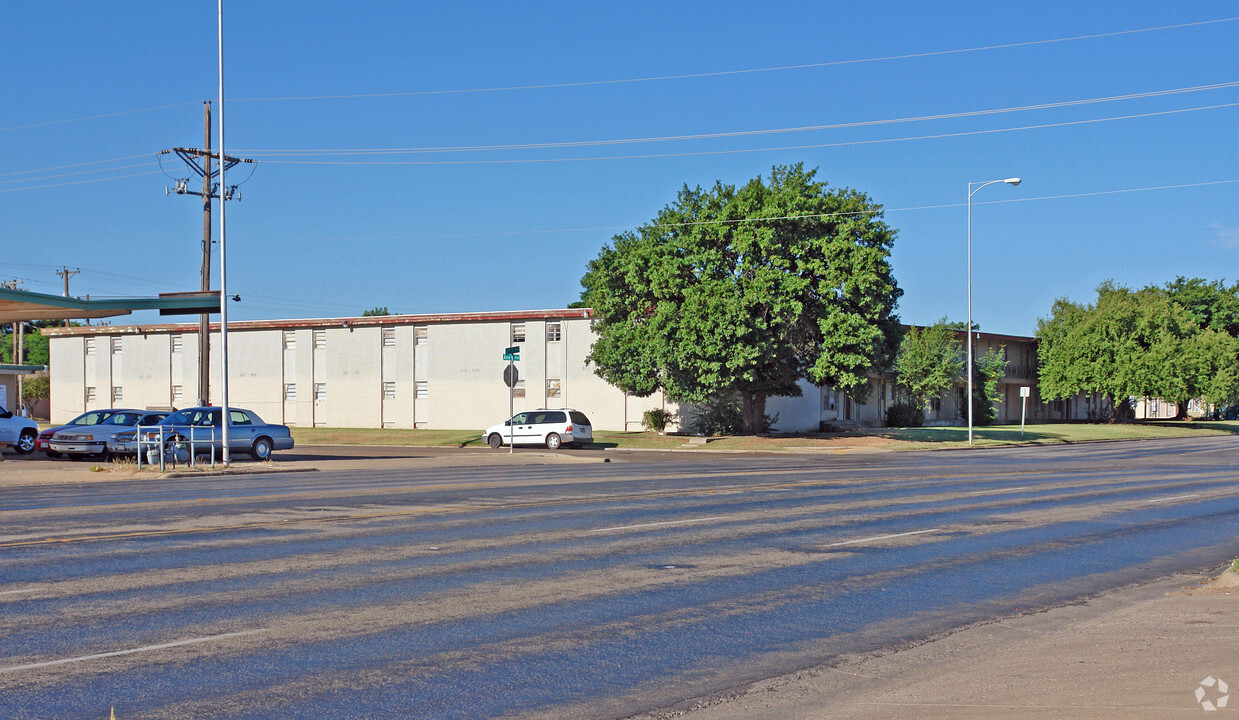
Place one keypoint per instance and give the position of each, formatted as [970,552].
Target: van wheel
[495,441]
[25,443]
[553,441]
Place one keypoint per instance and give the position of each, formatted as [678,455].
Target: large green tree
[1213,306]
[747,290]
[34,344]
[929,361]
[1132,343]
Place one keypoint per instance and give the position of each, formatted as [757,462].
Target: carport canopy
[22,305]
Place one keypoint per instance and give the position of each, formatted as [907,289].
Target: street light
[971,192]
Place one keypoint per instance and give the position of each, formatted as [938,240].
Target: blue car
[202,428]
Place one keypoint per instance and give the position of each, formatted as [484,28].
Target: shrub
[908,413]
[720,415]
[657,419]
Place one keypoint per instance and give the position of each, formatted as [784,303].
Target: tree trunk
[1180,412]
[1122,411]
[753,411]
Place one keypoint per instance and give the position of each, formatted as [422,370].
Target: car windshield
[93,417]
[190,416]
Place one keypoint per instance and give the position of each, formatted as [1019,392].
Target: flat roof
[364,321]
[376,320]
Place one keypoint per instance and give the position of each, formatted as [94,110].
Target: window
[178,343]
[320,391]
[290,391]
[90,394]
[422,388]
[320,339]
[554,332]
[419,335]
[518,390]
[552,387]
[178,394]
[290,340]
[389,391]
[518,333]
[90,346]
[389,337]
[117,395]
[116,346]
[829,399]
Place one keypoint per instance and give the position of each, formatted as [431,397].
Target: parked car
[202,427]
[20,432]
[81,441]
[551,428]
[92,417]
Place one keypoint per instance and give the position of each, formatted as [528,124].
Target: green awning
[22,305]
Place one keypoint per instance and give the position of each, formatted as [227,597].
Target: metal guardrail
[165,442]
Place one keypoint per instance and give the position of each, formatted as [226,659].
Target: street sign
[515,350]
[511,357]
[510,375]
[1025,391]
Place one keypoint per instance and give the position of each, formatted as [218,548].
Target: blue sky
[444,229]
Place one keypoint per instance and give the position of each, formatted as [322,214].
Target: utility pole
[66,273]
[19,329]
[200,162]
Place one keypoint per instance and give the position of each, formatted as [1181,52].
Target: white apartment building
[442,371]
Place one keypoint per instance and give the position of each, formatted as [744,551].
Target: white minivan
[18,431]
[551,428]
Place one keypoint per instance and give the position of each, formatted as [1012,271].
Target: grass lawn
[876,438]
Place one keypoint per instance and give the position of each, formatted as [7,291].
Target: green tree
[35,388]
[989,370]
[1131,344]
[376,312]
[929,361]
[747,290]
[1213,306]
[34,345]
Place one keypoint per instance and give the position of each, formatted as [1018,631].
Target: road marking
[16,592]
[669,522]
[116,653]
[1177,497]
[992,492]
[876,538]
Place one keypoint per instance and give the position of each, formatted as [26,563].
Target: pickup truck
[18,431]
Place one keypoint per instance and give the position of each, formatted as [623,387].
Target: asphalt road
[583,590]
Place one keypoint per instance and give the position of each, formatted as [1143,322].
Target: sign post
[510,376]
[1025,391]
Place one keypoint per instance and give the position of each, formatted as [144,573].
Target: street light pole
[968,327]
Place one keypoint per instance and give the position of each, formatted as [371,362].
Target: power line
[749,133]
[654,78]
[615,228]
[80,182]
[81,164]
[720,73]
[74,174]
[812,146]
[93,117]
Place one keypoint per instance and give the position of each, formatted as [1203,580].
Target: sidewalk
[1139,652]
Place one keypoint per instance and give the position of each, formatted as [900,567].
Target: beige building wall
[442,371]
